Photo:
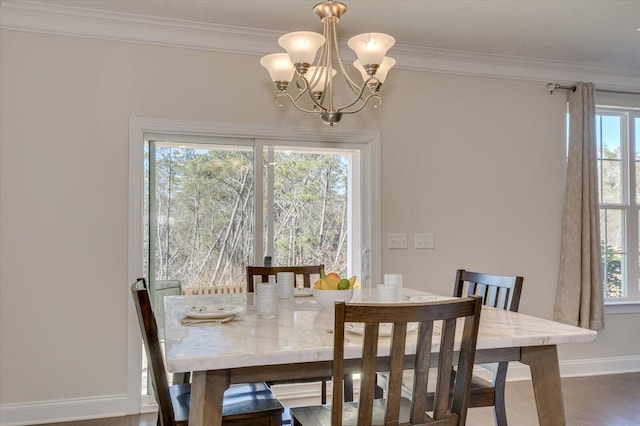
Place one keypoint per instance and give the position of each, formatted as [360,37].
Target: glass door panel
[309,202]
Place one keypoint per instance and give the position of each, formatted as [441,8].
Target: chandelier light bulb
[381,72]
[371,47]
[279,66]
[301,46]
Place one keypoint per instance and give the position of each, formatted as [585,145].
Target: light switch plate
[424,241]
[398,241]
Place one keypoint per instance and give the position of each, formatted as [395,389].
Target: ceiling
[586,32]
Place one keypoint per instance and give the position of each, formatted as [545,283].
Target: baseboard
[115,405]
[574,368]
[63,410]
[291,391]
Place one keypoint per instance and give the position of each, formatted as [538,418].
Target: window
[214,207]
[618,152]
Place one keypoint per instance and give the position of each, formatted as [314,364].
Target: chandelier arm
[364,103]
[307,90]
[315,77]
[301,90]
[354,87]
[359,98]
[286,95]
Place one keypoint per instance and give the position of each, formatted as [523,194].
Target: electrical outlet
[424,241]
[397,241]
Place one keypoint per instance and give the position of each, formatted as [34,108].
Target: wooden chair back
[498,291]
[447,410]
[303,272]
[151,339]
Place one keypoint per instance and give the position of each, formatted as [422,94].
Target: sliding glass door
[214,206]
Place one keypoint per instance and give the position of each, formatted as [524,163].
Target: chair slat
[465,366]
[396,365]
[367,376]
[338,364]
[445,367]
[421,372]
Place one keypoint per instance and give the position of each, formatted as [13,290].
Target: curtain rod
[553,86]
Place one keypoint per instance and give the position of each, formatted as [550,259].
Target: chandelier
[314,79]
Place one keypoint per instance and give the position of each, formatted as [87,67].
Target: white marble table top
[303,333]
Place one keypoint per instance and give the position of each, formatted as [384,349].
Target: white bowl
[327,298]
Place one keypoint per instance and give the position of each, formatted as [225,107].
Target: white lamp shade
[301,46]
[381,73]
[319,81]
[371,47]
[279,66]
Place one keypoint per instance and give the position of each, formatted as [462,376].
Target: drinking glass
[285,282]
[267,300]
[394,280]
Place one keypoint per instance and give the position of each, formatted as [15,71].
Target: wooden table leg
[547,387]
[207,394]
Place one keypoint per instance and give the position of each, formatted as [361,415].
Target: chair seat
[319,415]
[243,404]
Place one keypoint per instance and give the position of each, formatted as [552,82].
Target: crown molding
[88,23]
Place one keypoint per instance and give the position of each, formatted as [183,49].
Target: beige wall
[476,161]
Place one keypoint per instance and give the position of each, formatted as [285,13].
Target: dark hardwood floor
[589,401]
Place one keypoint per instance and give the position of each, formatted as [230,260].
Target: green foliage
[310,201]
[202,212]
[613,270]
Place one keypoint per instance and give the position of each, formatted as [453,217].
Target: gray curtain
[579,300]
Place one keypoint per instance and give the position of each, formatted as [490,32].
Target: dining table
[297,344]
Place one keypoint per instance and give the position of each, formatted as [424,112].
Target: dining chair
[243,405]
[433,319]
[303,274]
[502,292]
[497,291]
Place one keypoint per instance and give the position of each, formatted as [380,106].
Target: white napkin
[192,321]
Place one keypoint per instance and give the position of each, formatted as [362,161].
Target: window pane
[614,230]
[610,136]
[613,255]
[201,213]
[610,173]
[610,166]
[310,208]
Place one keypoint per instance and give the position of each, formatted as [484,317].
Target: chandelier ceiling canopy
[314,74]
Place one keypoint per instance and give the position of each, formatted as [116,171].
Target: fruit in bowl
[331,287]
[333,281]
